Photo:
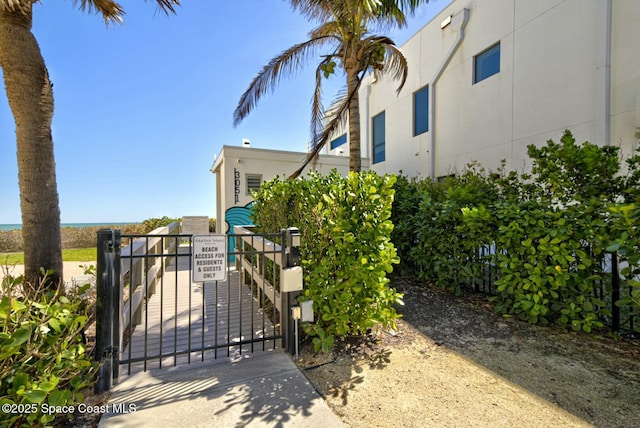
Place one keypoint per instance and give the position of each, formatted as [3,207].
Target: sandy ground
[413,382]
[456,363]
[71,270]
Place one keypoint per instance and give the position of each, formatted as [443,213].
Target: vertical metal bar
[162,308]
[130,323]
[276,293]
[290,258]
[238,299]
[274,332]
[476,263]
[145,297]
[228,318]
[253,286]
[284,307]
[203,292]
[492,259]
[204,312]
[103,323]
[116,307]
[175,313]
[615,295]
[485,268]
[215,327]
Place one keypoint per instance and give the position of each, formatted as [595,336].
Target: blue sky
[141,108]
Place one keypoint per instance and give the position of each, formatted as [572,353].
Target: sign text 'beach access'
[209,258]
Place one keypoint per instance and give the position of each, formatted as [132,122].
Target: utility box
[291,279]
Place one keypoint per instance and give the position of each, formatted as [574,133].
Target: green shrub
[549,272]
[11,241]
[72,237]
[432,230]
[549,230]
[625,239]
[346,247]
[43,359]
[151,224]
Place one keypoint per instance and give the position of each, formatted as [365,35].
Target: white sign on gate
[209,258]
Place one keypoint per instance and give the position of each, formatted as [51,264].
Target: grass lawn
[69,255]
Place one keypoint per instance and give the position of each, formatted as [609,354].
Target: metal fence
[150,312]
[608,285]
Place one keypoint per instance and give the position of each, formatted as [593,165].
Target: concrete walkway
[265,390]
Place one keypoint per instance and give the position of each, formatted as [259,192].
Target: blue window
[338,141]
[486,63]
[421,111]
[378,138]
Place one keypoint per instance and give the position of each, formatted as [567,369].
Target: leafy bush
[11,241]
[72,237]
[346,247]
[432,221]
[43,359]
[625,219]
[151,224]
[547,232]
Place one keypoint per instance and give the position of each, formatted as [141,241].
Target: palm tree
[30,96]
[344,31]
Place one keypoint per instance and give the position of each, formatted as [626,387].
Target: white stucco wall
[552,78]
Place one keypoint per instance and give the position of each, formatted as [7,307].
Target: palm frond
[337,115]
[405,6]
[388,15]
[111,11]
[327,29]
[319,10]
[317,110]
[395,64]
[168,5]
[288,62]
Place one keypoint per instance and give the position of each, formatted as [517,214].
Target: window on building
[486,63]
[421,111]
[338,141]
[253,182]
[378,138]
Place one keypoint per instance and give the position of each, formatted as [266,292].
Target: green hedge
[44,362]
[346,247]
[548,232]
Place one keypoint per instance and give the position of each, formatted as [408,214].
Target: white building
[489,77]
[241,169]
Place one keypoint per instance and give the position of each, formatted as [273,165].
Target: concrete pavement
[257,390]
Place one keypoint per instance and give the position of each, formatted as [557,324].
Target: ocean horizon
[14,226]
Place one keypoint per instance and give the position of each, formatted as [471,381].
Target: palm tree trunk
[353,82]
[30,97]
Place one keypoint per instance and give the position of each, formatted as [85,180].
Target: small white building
[241,169]
[489,77]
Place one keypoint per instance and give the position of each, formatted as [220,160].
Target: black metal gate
[150,314]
